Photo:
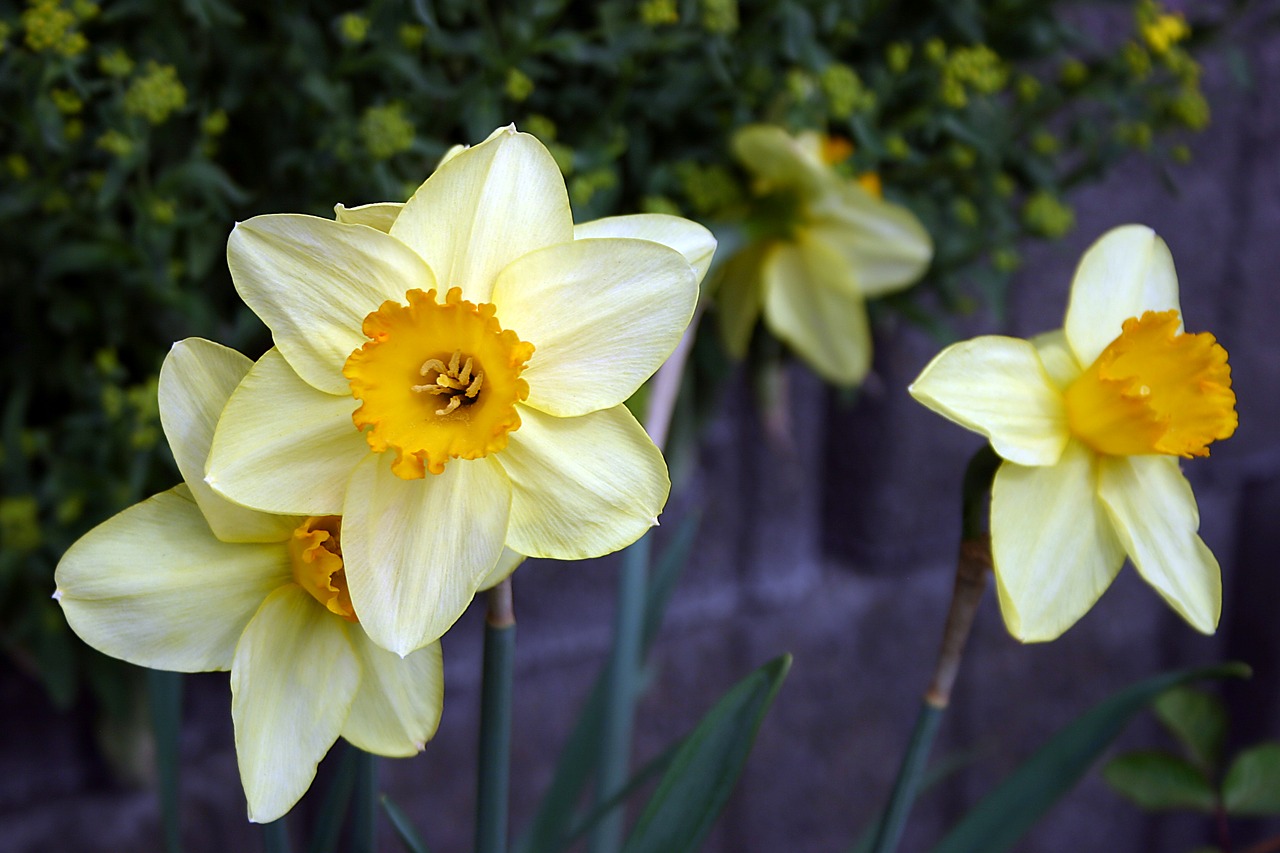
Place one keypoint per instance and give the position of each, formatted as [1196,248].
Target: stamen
[474,388]
[453,379]
[430,365]
[454,402]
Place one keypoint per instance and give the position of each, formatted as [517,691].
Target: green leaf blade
[1159,781]
[1252,785]
[1198,720]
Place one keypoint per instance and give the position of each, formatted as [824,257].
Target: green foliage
[1158,781]
[137,132]
[1252,785]
[1198,720]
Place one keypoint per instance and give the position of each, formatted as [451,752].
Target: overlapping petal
[483,209]
[153,586]
[507,564]
[809,303]
[292,685]
[998,387]
[602,315]
[739,295]
[884,245]
[584,486]
[313,281]
[196,380]
[1129,270]
[1057,358]
[416,551]
[397,707]
[1054,549]
[282,446]
[690,239]
[380,215]
[1156,518]
[780,160]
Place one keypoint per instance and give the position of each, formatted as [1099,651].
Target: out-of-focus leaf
[1159,781]
[1004,815]
[1252,785]
[1198,720]
[405,830]
[706,767]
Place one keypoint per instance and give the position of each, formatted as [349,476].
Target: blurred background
[135,133]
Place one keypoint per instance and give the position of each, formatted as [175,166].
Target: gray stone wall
[838,548]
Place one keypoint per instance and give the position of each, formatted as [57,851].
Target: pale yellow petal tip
[57,594]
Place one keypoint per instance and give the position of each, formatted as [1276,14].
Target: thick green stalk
[364,823]
[972,567]
[495,721]
[275,837]
[164,695]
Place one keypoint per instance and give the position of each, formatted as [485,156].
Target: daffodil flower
[1092,421]
[828,245]
[449,377]
[188,581]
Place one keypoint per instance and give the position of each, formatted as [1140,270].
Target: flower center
[315,550]
[437,381]
[1154,390]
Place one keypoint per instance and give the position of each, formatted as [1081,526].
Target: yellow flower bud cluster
[386,131]
[353,28]
[1160,29]
[116,63]
[20,523]
[898,56]
[66,101]
[115,142]
[412,36]
[844,91]
[156,93]
[518,85]
[709,189]
[720,16]
[18,166]
[972,70]
[1045,214]
[584,187]
[657,13]
[52,27]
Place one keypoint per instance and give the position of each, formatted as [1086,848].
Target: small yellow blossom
[85,10]
[1027,88]
[66,101]
[117,63]
[353,28]
[965,211]
[1091,421]
[20,523]
[898,56]
[657,13]
[541,127]
[73,130]
[935,50]
[386,131]
[845,93]
[18,166]
[115,142]
[659,204]
[720,16]
[1190,108]
[156,93]
[412,36]
[1137,60]
[800,85]
[710,190]
[1161,30]
[897,147]
[1073,73]
[1044,142]
[51,27]
[215,123]
[584,186]
[162,210]
[1181,154]
[1046,214]
[1135,133]
[518,85]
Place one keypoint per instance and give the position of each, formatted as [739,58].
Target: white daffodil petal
[1129,270]
[997,387]
[293,681]
[779,160]
[507,564]
[485,207]
[379,215]
[313,281]
[416,551]
[1059,361]
[196,380]
[808,305]
[690,239]
[583,486]
[883,243]
[1156,519]
[602,316]
[153,586]
[1052,543]
[283,446]
[397,708]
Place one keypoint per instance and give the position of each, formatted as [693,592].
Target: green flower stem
[275,836]
[495,721]
[364,826]
[622,686]
[164,695]
[972,567]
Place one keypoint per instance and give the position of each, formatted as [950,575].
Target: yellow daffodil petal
[379,215]
[583,486]
[507,564]
[690,239]
[780,161]
[484,208]
[313,281]
[998,387]
[292,685]
[1126,273]
[1155,517]
[196,380]
[397,708]
[298,463]
[416,551]
[739,297]
[1053,545]
[1055,355]
[602,316]
[807,304]
[153,586]
[884,245]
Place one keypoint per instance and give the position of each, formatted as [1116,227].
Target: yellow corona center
[1154,390]
[315,550]
[437,381]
